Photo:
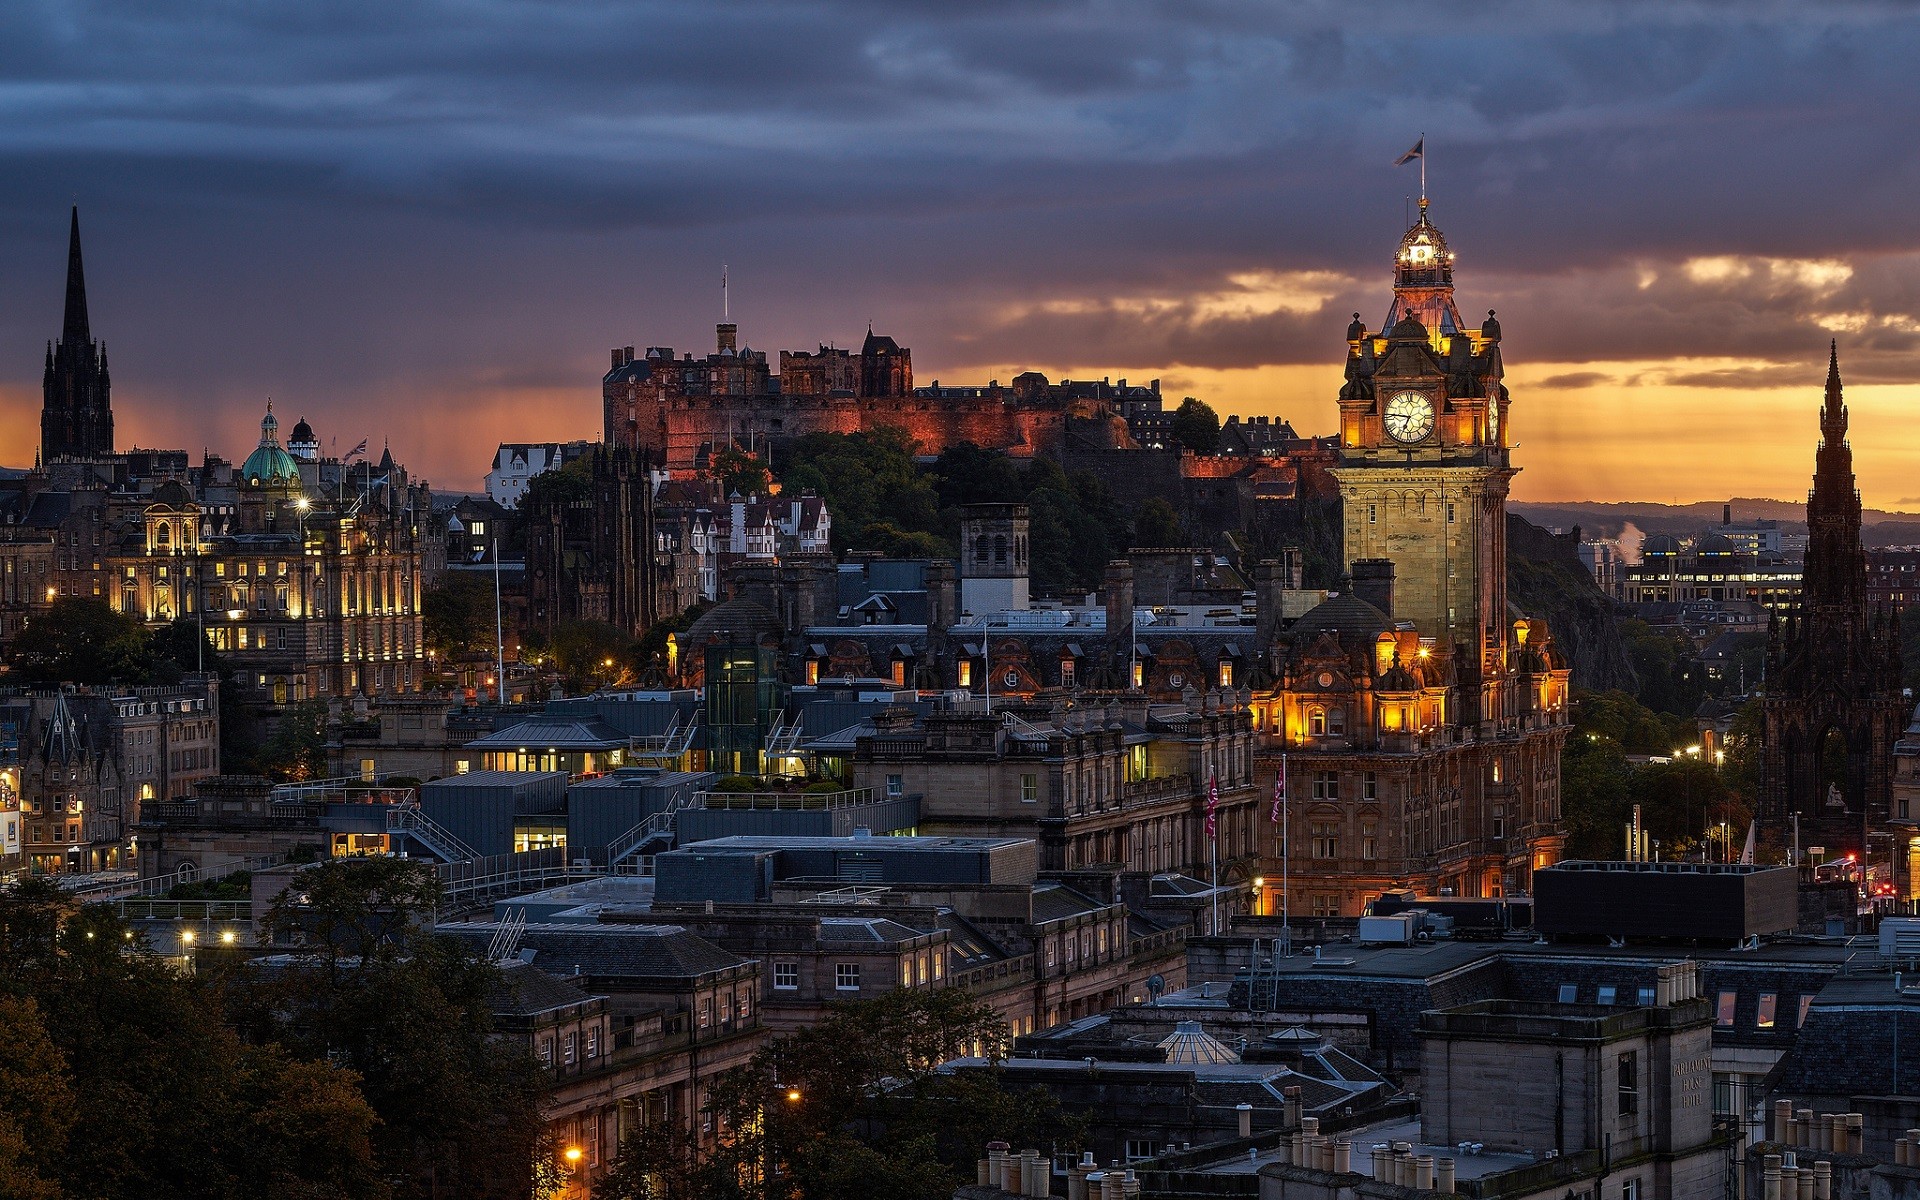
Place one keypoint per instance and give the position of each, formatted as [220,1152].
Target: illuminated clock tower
[1423,467]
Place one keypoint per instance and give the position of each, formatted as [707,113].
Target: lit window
[1723,1014]
[1226,674]
[1767,1004]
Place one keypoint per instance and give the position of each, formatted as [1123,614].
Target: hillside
[1545,579]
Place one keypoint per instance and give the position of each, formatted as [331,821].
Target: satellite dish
[1156,983]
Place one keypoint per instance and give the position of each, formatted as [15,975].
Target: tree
[297,749]
[590,652]
[1594,778]
[864,478]
[132,1082]
[81,640]
[739,472]
[1629,724]
[1157,524]
[855,1107]
[409,1012]
[1196,426]
[1671,681]
[457,614]
[36,1104]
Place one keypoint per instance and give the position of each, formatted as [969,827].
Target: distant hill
[1598,519]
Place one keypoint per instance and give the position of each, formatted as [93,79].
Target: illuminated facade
[1420,715]
[311,589]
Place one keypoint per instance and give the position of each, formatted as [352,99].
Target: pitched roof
[553,733]
[613,951]
[523,990]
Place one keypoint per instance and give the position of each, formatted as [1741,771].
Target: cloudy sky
[428,222]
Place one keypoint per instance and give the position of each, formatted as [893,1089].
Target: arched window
[162,534]
[1316,722]
[999,548]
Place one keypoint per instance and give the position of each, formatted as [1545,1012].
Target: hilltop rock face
[1546,579]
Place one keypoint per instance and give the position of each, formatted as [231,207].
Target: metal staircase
[672,744]
[783,740]
[407,818]
[624,855]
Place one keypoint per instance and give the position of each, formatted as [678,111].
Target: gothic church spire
[74,329]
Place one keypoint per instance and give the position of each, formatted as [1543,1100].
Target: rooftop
[1365,1138]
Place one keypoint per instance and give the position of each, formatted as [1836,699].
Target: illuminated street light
[793,1095]
[573,1155]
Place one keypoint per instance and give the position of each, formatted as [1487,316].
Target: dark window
[1629,1070]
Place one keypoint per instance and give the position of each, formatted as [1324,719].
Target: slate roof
[553,733]
[612,951]
[1056,902]
[524,990]
[865,929]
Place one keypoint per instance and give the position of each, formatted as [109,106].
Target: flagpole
[1286,862]
[1213,853]
[1423,170]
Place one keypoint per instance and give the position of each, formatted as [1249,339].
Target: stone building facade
[313,590]
[592,552]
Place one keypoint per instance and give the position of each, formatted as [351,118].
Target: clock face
[1409,417]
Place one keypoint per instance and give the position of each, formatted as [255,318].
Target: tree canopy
[1196,426]
[856,1107]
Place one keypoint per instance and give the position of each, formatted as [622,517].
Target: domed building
[301,443]
[270,465]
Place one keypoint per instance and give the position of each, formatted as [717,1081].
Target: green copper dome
[269,464]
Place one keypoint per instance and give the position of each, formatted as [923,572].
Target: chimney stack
[1373,582]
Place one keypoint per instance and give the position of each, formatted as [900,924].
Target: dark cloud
[1575,380]
[423,215]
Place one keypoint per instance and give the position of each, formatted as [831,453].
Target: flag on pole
[1279,789]
[1213,807]
[1419,151]
[360,449]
